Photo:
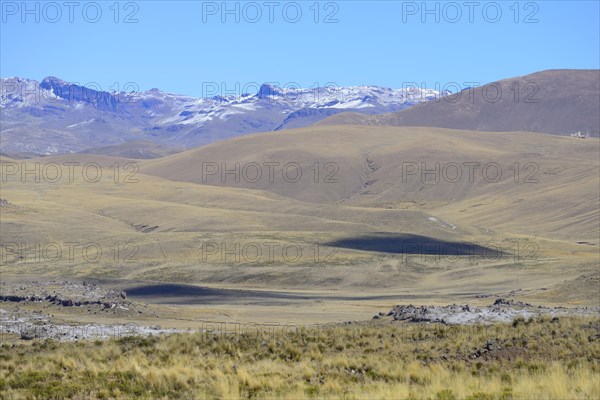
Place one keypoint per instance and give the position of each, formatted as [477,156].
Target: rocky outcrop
[501,310]
[66,294]
[72,92]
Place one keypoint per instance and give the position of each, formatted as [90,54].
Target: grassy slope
[562,201]
[552,101]
[525,360]
[552,214]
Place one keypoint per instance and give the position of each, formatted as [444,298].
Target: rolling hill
[550,191]
[385,228]
[559,102]
[140,149]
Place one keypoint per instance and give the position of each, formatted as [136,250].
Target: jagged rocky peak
[268,90]
[52,81]
[73,92]
[87,117]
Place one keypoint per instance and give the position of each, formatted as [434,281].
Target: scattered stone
[7,204]
[501,310]
[66,294]
[594,337]
[27,335]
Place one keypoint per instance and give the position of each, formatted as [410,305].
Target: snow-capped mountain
[54,116]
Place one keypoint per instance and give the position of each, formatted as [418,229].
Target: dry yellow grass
[539,359]
[552,215]
[554,188]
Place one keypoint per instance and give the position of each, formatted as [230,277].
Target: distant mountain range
[560,102]
[54,116]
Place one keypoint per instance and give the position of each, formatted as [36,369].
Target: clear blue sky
[378,43]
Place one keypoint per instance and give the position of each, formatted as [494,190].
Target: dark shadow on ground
[171,293]
[415,244]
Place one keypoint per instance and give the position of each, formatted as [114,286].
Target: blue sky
[186,47]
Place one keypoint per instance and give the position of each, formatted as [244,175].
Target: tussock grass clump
[542,358]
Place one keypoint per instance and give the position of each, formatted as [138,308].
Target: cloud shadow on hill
[394,243]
